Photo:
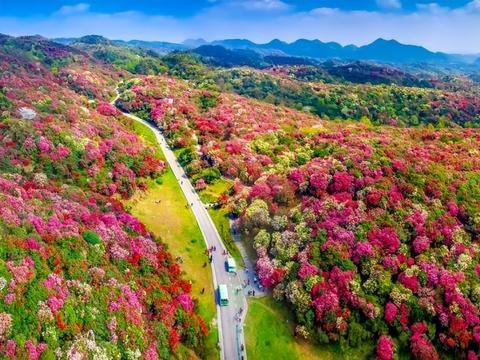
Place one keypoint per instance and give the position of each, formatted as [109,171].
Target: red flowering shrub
[79,276]
[384,348]
[363,230]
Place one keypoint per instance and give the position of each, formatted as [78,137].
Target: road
[230,323]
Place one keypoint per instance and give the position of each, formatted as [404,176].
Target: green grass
[177,227]
[213,191]
[220,219]
[269,330]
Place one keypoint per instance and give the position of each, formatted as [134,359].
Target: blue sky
[452,26]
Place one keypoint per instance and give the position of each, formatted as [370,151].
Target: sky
[451,26]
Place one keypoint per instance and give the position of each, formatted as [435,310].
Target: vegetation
[366,227]
[366,232]
[79,276]
[180,232]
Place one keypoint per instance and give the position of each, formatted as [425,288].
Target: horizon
[209,42]
[441,26]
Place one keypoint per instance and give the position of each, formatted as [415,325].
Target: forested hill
[79,276]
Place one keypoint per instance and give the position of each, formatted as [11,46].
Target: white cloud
[323,11]
[389,4]
[73,9]
[473,5]
[433,8]
[265,5]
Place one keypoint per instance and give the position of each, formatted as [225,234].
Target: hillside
[355,186]
[368,233]
[380,50]
[79,276]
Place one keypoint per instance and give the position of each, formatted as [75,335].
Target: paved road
[230,324]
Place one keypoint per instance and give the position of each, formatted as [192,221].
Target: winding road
[229,318]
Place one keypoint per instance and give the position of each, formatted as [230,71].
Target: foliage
[79,276]
[380,234]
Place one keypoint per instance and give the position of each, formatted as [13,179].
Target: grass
[269,331]
[220,219]
[177,227]
[213,191]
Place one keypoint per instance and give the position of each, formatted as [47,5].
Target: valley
[346,190]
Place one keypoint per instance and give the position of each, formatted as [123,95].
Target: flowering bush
[381,223]
[79,276]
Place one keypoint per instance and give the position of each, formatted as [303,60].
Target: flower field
[79,276]
[370,234]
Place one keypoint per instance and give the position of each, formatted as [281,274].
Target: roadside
[162,208]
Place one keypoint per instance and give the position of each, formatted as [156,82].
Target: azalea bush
[79,276]
[369,233]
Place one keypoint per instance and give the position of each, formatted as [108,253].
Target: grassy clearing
[269,332]
[221,221]
[220,216]
[212,192]
[176,225]
[146,134]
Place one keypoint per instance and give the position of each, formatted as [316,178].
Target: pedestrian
[210,258]
[203,291]
[253,292]
[248,282]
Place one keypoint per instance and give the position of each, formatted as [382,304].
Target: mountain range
[381,50]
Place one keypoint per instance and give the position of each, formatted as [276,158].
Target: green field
[162,208]
[221,221]
[212,192]
[269,331]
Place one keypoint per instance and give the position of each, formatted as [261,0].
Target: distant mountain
[161,47]
[393,51]
[379,50]
[92,40]
[221,56]
[194,43]
[236,43]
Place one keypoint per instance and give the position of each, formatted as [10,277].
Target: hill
[380,50]
[79,275]
[368,233]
